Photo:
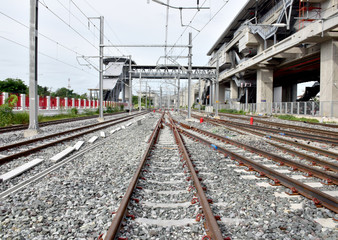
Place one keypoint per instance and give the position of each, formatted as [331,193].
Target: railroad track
[289,126]
[308,137]
[160,172]
[23,148]
[294,144]
[55,122]
[245,156]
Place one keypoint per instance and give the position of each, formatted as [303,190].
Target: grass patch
[293,118]
[232,111]
[8,117]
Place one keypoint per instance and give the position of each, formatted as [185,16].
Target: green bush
[21,118]
[121,107]
[74,111]
[6,115]
[293,118]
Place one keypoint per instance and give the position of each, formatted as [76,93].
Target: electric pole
[33,71]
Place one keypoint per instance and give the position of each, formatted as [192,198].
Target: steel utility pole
[146,99]
[139,96]
[160,97]
[217,86]
[101,119]
[178,92]
[189,74]
[33,71]
[199,94]
[130,88]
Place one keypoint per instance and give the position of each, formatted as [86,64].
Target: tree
[64,92]
[43,91]
[12,85]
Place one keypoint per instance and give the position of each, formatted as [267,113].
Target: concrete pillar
[4,97]
[329,78]
[264,89]
[221,93]
[73,102]
[23,102]
[294,92]
[48,102]
[57,103]
[38,101]
[66,103]
[233,90]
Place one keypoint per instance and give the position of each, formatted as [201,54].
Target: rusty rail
[35,149]
[330,177]
[121,212]
[279,139]
[295,185]
[277,124]
[327,140]
[212,226]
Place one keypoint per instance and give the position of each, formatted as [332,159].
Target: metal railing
[316,109]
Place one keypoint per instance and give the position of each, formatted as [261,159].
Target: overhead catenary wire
[62,20]
[219,10]
[107,23]
[46,55]
[43,35]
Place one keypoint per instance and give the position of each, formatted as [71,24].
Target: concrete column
[73,102]
[23,101]
[294,93]
[329,78]
[233,90]
[66,103]
[264,89]
[57,103]
[221,93]
[48,102]
[4,97]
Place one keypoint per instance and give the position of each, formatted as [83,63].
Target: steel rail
[310,123]
[22,143]
[121,212]
[327,140]
[54,122]
[32,150]
[284,125]
[212,226]
[279,139]
[315,161]
[315,195]
[45,172]
[330,177]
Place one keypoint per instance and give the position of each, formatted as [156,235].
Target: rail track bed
[178,179]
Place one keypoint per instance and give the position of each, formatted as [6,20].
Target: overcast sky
[126,22]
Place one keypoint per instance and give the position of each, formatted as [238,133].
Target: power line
[46,55]
[50,39]
[82,12]
[56,15]
[225,3]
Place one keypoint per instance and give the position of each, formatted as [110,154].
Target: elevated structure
[116,78]
[271,46]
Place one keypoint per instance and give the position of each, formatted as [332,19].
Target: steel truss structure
[171,72]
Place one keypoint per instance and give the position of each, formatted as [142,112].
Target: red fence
[52,102]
